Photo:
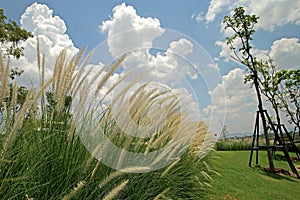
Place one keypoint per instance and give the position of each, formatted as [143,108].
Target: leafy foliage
[288,82]
[10,36]
[243,28]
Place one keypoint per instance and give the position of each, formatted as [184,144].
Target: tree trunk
[264,122]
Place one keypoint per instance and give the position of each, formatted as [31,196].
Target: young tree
[10,36]
[289,94]
[268,84]
[242,26]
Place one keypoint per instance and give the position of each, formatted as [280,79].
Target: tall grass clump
[43,154]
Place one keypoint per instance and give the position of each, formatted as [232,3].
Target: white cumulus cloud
[285,52]
[240,102]
[272,13]
[215,7]
[128,31]
[275,13]
[181,47]
[51,30]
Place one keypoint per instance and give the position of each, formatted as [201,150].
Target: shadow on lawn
[279,174]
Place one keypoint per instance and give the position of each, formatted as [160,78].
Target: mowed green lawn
[238,181]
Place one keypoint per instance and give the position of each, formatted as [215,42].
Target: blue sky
[83,19]
[278,34]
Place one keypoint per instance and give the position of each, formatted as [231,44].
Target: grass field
[238,181]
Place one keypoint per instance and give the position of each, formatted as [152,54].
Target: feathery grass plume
[79,77]
[211,170]
[96,76]
[111,113]
[123,152]
[165,153]
[81,105]
[138,108]
[198,180]
[118,83]
[79,80]
[170,167]
[115,191]
[28,198]
[80,93]
[110,178]
[160,195]
[14,99]
[207,184]
[195,147]
[43,99]
[5,115]
[64,72]
[83,88]
[60,63]
[207,145]
[206,175]
[41,67]
[69,74]
[4,79]
[135,169]
[60,71]
[168,131]
[122,94]
[141,102]
[149,143]
[110,72]
[74,191]
[89,161]
[58,76]
[172,126]
[176,145]
[202,183]
[38,53]
[98,164]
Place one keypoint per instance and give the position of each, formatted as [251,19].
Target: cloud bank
[240,102]
[169,65]
[172,61]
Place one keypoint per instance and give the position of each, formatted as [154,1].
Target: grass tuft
[114,192]
[43,155]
